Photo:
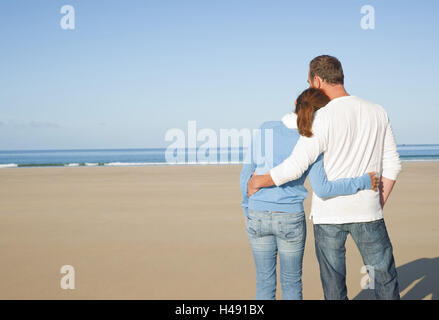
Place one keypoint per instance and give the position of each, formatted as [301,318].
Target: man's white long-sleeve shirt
[356,137]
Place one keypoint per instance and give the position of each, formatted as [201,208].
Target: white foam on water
[420,160]
[8,165]
[118,164]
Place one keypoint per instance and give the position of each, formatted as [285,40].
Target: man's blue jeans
[268,233]
[375,248]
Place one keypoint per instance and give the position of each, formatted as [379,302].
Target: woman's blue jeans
[272,232]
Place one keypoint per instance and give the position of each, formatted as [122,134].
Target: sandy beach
[177,232]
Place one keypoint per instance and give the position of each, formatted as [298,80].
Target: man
[355,137]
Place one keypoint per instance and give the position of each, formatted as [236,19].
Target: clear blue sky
[133,69]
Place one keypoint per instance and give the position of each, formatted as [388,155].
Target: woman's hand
[375,180]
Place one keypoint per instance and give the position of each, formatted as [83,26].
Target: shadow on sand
[422,276]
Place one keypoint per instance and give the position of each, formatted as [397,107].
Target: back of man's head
[328,68]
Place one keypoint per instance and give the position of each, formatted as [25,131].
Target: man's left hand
[257,182]
[251,188]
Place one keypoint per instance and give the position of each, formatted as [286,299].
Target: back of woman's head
[308,102]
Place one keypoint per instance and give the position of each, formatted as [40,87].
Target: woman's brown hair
[307,103]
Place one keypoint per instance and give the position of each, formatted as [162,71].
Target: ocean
[157,156]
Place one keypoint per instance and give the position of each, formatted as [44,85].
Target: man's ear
[317,82]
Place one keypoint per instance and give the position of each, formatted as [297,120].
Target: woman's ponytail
[308,102]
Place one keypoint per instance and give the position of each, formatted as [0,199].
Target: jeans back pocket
[253,227]
[292,230]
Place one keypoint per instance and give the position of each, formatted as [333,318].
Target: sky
[132,70]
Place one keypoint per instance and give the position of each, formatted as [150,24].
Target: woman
[275,215]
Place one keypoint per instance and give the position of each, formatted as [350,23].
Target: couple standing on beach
[346,147]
